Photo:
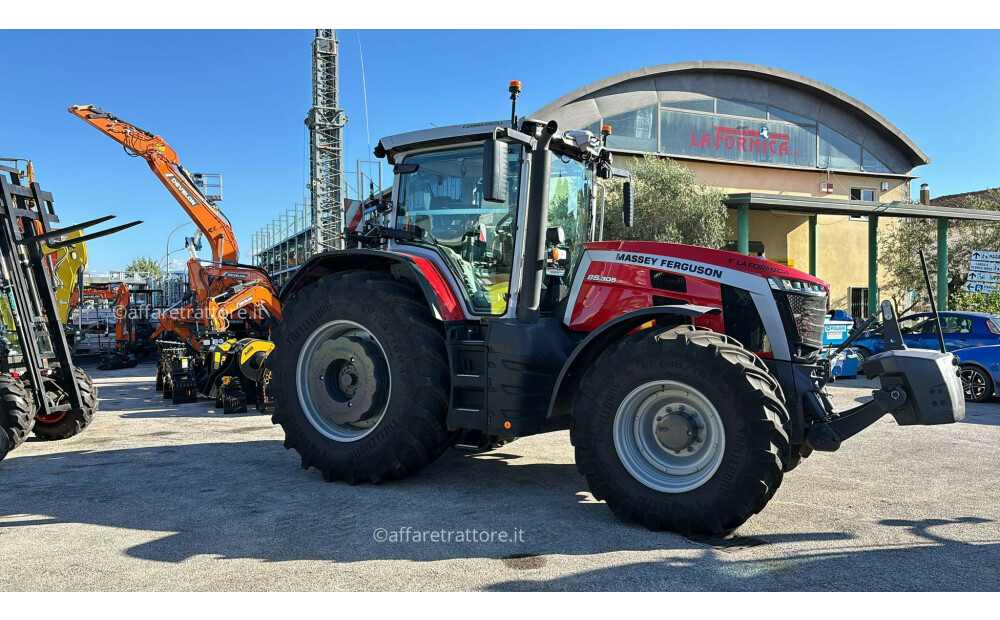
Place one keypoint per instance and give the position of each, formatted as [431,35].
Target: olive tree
[669,206]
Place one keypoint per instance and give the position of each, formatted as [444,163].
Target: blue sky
[234,102]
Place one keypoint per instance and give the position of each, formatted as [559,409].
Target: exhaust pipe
[535,226]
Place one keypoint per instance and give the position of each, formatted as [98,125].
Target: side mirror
[495,171]
[628,204]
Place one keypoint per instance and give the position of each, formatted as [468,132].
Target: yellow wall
[842,253]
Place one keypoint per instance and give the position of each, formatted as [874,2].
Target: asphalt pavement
[160,497]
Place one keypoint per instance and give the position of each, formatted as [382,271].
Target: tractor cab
[462,199]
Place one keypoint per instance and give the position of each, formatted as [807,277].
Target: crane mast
[326,121]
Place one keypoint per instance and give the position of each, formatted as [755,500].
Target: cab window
[442,202]
[569,207]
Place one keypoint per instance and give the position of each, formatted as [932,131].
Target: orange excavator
[221,289]
[223,286]
[120,296]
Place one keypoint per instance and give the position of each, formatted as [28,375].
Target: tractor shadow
[252,500]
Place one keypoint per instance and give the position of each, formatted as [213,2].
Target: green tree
[899,255]
[144,263]
[669,206]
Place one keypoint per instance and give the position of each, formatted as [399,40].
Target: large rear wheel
[360,378]
[680,429]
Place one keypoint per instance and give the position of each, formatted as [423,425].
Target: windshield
[443,203]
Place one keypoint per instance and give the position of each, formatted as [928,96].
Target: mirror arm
[515,136]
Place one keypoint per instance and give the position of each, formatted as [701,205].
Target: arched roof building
[799,159]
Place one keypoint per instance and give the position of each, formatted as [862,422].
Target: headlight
[796,286]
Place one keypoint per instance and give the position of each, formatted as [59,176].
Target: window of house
[865,194]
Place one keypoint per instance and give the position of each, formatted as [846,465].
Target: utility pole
[326,121]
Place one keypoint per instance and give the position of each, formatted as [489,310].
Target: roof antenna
[515,90]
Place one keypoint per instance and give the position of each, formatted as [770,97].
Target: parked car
[980,372]
[961,330]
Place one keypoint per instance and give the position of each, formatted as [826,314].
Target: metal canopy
[808,205]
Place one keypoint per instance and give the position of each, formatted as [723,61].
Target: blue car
[961,330]
[980,372]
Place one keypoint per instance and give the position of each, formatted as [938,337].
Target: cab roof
[391,146]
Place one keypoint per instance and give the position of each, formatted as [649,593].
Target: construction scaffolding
[326,121]
[284,244]
[287,242]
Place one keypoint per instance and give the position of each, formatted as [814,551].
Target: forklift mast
[37,345]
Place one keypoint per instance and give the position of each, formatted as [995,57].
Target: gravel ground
[158,497]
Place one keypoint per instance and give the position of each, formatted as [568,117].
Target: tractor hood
[698,261]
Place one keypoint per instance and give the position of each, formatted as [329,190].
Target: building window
[859,303]
[740,108]
[693,125]
[633,131]
[865,194]
[838,152]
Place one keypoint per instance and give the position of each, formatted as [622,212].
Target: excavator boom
[164,163]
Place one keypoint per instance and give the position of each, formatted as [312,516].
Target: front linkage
[917,387]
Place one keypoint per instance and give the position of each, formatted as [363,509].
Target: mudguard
[441,300]
[599,339]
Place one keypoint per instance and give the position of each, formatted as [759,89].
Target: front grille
[803,316]
[667,281]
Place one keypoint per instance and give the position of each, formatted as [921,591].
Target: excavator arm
[164,163]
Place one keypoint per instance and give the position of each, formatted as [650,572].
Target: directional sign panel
[988,256]
[981,277]
[972,287]
[978,265]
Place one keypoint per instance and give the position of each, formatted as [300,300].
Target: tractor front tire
[360,378]
[64,425]
[17,410]
[680,429]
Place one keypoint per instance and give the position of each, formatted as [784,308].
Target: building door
[859,303]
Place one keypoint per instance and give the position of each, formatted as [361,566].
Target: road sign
[973,287]
[980,277]
[982,255]
[978,265]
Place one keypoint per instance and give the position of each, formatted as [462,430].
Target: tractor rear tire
[680,429]
[361,338]
[17,410]
[74,421]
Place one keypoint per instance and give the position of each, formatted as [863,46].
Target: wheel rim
[51,418]
[343,380]
[669,436]
[973,383]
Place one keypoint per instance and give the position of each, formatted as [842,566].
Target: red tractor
[478,307]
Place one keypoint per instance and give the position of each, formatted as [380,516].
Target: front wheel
[680,429]
[17,410]
[66,424]
[976,383]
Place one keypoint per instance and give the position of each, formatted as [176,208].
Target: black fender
[320,265]
[612,331]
